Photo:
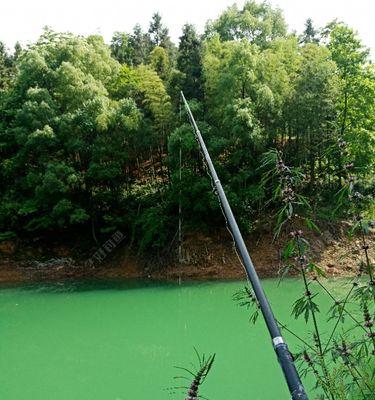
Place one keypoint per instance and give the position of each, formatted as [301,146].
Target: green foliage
[356,105]
[7,235]
[159,62]
[91,137]
[154,98]
[189,62]
[141,45]
[305,306]
[310,35]
[8,65]
[90,134]
[259,23]
[121,49]
[65,147]
[339,360]
[153,229]
[158,32]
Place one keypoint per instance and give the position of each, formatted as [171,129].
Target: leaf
[305,306]
[7,235]
[290,210]
[288,250]
[299,307]
[303,200]
[311,225]
[313,267]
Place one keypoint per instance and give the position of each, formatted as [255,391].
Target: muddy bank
[203,257]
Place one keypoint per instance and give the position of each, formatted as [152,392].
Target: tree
[158,32]
[194,191]
[17,51]
[90,134]
[189,62]
[309,34]
[231,96]
[140,43]
[147,88]
[155,100]
[277,71]
[159,36]
[356,105]
[314,104]
[159,62]
[120,48]
[350,57]
[5,67]
[66,142]
[257,22]
[229,73]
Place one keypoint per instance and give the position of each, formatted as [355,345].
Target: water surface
[120,341]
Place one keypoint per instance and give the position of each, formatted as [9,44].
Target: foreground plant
[199,375]
[341,362]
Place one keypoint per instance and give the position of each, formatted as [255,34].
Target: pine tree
[5,66]
[140,43]
[17,51]
[158,32]
[310,33]
[189,62]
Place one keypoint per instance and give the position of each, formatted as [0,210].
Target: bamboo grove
[90,133]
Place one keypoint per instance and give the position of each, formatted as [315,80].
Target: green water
[120,341]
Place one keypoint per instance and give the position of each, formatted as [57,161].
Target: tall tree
[231,93]
[277,70]
[120,48]
[350,57]
[140,43]
[17,51]
[310,34]
[5,66]
[189,61]
[356,105]
[314,104]
[158,32]
[159,61]
[65,145]
[257,22]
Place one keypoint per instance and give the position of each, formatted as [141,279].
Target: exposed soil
[204,257]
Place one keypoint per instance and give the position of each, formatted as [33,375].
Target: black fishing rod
[285,358]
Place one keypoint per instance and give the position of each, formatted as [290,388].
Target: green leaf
[311,225]
[314,268]
[288,250]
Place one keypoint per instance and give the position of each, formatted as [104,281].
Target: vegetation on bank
[90,133]
[339,358]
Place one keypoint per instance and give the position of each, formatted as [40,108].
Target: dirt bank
[204,257]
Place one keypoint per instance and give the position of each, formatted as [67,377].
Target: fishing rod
[285,358]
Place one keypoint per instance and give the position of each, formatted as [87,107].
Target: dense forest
[91,133]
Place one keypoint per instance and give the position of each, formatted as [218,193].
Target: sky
[23,20]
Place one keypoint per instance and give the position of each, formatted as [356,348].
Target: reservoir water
[121,341]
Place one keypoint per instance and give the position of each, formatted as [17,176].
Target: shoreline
[204,258]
